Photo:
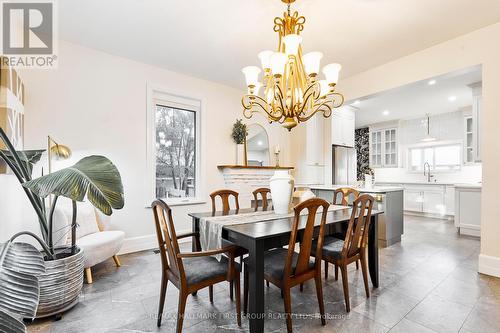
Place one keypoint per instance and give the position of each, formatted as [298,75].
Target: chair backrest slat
[341,195]
[263,191]
[167,238]
[224,195]
[306,241]
[357,231]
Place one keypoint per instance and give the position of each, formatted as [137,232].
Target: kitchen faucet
[428,173]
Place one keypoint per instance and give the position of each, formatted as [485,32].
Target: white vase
[240,154]
[281,185]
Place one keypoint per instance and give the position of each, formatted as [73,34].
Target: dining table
[259,236]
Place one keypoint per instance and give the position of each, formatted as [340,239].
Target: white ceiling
[214,39]
[417,99]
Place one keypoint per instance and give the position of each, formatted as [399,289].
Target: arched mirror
[257,146]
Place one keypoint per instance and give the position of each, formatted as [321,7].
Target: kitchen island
[388,199]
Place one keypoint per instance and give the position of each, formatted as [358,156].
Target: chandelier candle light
[291,91]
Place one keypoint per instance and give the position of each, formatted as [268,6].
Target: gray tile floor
[428,283]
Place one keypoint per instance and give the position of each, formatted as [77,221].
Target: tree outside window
[175,152]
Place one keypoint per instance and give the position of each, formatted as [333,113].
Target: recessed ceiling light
[431,82]
[385,112]
[259,143]
[356,102]
[452,98]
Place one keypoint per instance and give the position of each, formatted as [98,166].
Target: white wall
[96,104]
[444,127]
[478,47]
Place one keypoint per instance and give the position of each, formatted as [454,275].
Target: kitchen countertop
[375,189]
[467,185]
[418,183]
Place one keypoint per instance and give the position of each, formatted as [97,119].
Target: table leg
[373,250]
[195,226]
[255,266]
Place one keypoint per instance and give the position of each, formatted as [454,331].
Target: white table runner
[211,227]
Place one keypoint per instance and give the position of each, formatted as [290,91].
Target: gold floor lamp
[60,152]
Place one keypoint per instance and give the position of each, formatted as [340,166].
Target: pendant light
[428,137]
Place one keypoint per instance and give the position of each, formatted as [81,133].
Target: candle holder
[277,158]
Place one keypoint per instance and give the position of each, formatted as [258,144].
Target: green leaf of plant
[10,324]
[94,176]
[20,264]
[27,157]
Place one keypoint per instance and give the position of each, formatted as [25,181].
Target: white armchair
[98,243]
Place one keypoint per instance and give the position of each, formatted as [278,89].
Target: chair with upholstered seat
[225,196]
[353,248]
[342,196]
[286,268]
[345,196]
[190,271]
[263,192]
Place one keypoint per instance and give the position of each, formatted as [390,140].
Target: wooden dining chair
[189,271]
[264,192]
[344,193]
[353,248]
[225,196]
[342,196]
[286,268]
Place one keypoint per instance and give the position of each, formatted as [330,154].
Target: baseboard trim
[146,242]
[489,265]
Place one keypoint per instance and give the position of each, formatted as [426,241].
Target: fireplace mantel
[220,167]
[246,179]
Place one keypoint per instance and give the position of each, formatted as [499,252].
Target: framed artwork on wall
[11,108]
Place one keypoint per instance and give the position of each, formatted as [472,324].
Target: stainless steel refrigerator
[344,165]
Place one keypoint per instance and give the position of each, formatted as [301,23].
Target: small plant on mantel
[239,136]
[240,132]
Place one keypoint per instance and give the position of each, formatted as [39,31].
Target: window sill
[182,202]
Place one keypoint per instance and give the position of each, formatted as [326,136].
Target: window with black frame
[175,152]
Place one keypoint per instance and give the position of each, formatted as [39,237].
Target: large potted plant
[239,135]
[95,178]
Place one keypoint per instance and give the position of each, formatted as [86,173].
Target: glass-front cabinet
[469,141]
[383,148]
[390,152]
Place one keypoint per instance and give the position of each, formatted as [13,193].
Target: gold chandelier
[292,92]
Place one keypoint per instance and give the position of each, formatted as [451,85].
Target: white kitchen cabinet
[383,148]
[469,151]
[413,200]
[477,101]
[343,122]
[449,200]
[433,202]
[315,128]
[432,199]
[428,198]
[468,210]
